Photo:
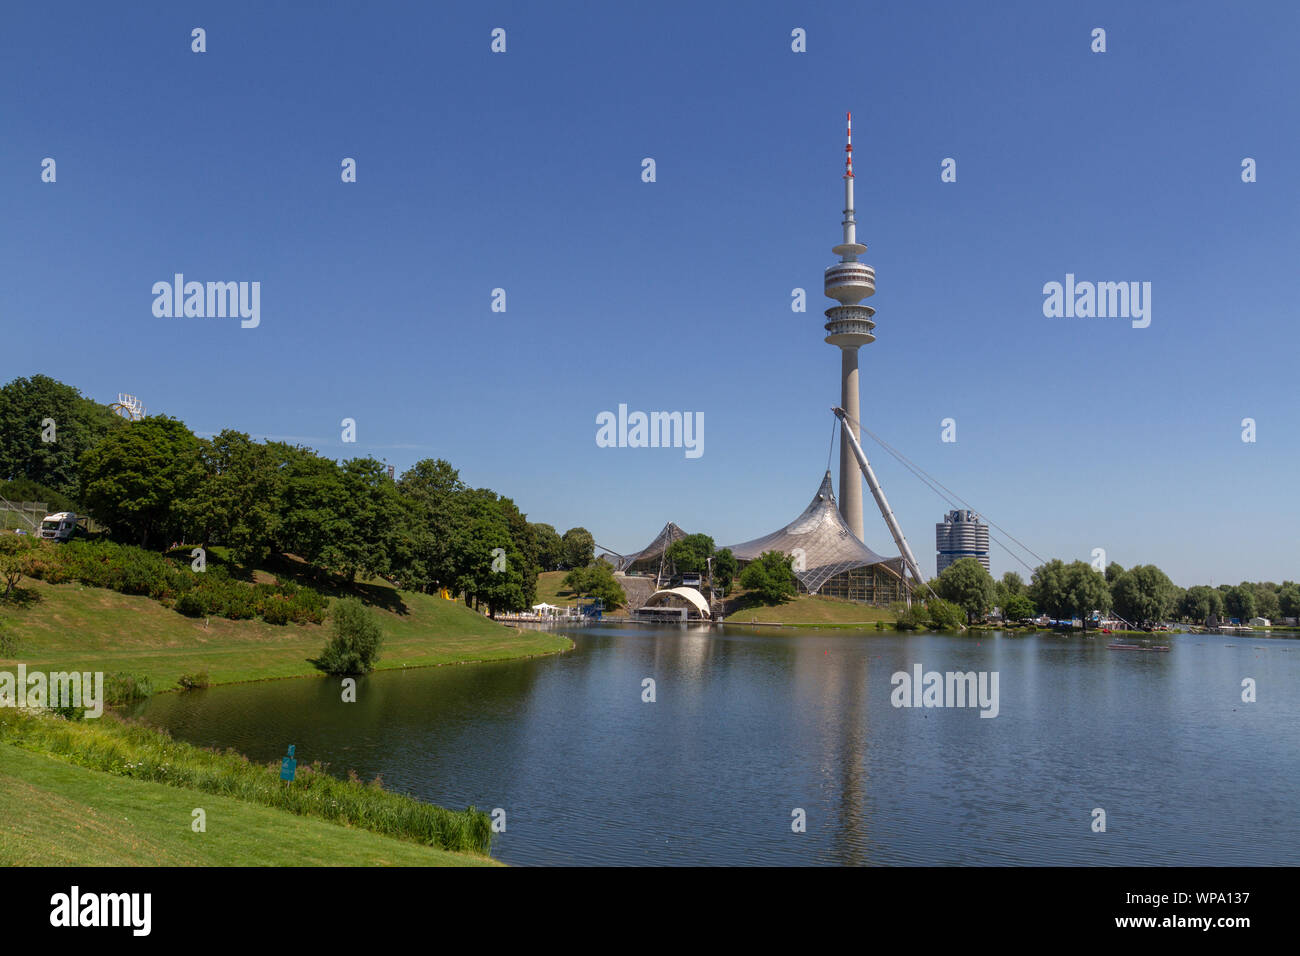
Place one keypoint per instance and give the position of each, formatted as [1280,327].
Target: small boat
[1136,647]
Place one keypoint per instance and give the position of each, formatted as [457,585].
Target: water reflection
[751,723]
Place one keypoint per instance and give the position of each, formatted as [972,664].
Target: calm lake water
[751,723]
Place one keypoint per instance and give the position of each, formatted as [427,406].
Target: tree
[724,568]
[138,478]
[770,578]
[1017,608]
[237,502]
[1239,602]
[491,568]
[366,523]
[27,409]
[1199,602]
[1113,571]
[354,646]
[579,548]
[597,581]
[1144,594]
[312,506]
[435,509]
[1288,599]
[1267,602]
[548,546]
[690,555]
[1011,585]
[1069,590]
[966,584]
[945,615]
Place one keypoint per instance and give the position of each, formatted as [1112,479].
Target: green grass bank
[72,626]
[111,792]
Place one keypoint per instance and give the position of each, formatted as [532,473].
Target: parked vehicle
[60,526]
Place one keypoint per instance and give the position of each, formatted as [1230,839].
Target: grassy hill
[811,611]
[67,626]
[58,814]
[550,588]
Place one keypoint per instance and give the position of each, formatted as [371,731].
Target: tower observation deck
[849,326]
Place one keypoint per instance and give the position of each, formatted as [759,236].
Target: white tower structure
[849,325]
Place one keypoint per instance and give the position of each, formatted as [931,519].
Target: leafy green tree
[1144,594]
[1239,602]
[596,581]
[548,546]
[138,478]
[1069,590]
[1199,602]
[366,523]
[1009,586]
[966,584]
[237,502]
[312,506]
[770,578]
[354,645]
[1288,598]
[690,555]
[725,566]
[1113,571]
[491,567]
[945,615]
[78,424]
[436,511]
[1267,603]
[1017,608]
[579,548]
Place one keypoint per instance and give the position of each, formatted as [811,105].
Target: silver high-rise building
[961,535]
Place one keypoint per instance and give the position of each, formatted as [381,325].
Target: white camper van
[59,526]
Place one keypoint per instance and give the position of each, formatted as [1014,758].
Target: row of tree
[1141,595]
[154,482]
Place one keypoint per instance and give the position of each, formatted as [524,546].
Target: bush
[191,604]
[131,570]
[944,615]
[909,618]
[195,681]
[354,648]
[122,688]
[770,578]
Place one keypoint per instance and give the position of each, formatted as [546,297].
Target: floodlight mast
[879,494]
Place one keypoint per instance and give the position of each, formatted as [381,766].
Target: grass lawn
[550,589]
[58,814]
[810,610]
[71,626]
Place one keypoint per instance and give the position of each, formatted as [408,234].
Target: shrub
[195,681]
[944,615]
[122,688]
[909,618]
[191,604]
[354,647]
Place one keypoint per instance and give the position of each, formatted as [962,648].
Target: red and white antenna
[848,150]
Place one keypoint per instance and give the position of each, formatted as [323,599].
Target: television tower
[849,325]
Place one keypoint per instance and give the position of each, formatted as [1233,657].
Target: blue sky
[522,171]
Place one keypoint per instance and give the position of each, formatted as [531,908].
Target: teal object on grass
[288,766]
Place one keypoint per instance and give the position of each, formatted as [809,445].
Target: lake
[751,724]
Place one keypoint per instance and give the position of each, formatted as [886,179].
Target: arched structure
[668,597]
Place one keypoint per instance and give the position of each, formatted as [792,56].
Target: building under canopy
[829,558]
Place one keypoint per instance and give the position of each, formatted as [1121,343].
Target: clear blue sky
[523,171]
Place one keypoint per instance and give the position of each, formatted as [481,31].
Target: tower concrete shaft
[849,326]
[850,475]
